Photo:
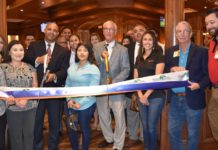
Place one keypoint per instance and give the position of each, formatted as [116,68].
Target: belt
[180,94]
[215,86]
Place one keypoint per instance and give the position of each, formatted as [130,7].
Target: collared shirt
[110,48]
[72,57]
[213,63]
[51,46]
[183,57]
[136,50]
[87,75]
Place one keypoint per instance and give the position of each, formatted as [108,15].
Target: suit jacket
[118,64]
[58,64]
[198,72]
[131,51]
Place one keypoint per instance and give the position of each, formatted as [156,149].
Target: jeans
[84,117]
[149,116]
[179,113]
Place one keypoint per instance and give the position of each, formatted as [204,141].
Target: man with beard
[52,60]
[211,21]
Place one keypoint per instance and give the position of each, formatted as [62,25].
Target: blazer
[118,64]
[58,64]
[198,72]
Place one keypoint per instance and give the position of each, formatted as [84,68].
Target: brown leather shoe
[131,143]
[104,144]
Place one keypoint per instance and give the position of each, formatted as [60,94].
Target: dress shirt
[72,57]
[110,48]
[136,50]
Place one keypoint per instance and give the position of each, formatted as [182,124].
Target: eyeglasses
[183,31]
[109,29]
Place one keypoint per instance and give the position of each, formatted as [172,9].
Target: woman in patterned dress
[20,114]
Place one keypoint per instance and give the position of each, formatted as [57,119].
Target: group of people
[65,61]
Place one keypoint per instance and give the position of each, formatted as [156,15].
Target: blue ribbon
[162,81]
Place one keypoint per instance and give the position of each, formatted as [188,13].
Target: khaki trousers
[213,113]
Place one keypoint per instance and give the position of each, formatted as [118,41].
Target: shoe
[131,143]
[104,144]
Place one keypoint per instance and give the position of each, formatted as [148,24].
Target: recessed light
[205,7]
[43,2]
[21,10]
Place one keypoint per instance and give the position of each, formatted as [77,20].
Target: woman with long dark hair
[150,61]
[83,72]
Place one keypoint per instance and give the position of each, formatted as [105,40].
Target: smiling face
[183,33]
[66,33]
[16,52]
[51,32]
[109,31]
[147,42]
[82,53]
[211,22]
[74,42]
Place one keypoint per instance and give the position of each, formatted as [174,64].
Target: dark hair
[10,45]
[75,35]
[211,11]
[127,37]
[155,48]
[4,49]
[65,27]
[95,34]
[91,57]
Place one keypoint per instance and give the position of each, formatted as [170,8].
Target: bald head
[51,32]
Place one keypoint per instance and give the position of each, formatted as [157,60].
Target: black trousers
[3,122]
[53,108]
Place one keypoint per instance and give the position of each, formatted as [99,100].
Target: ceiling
[89,13]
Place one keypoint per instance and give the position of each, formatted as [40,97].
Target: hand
[50,77]
[104,54]
[144,100]
[108,80]
[193,86]
[21,102]
[73,104]
[41,59]
[10,100]
[177,68]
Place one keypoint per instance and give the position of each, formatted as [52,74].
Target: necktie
[49,50]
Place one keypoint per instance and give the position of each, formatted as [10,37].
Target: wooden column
[3,18]
[174,12]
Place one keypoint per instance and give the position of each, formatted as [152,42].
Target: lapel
[191,54]
[43,48]
[53,56]
[175,59]
[114,53]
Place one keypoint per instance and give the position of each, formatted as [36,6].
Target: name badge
[176,53]
[216,54]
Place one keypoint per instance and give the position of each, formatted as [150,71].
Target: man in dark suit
[186,103]
[133,120]
[48,57]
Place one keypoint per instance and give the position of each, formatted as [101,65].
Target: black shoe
[104,144]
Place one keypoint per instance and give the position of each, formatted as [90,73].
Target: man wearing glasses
[186,103]
[116,70]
